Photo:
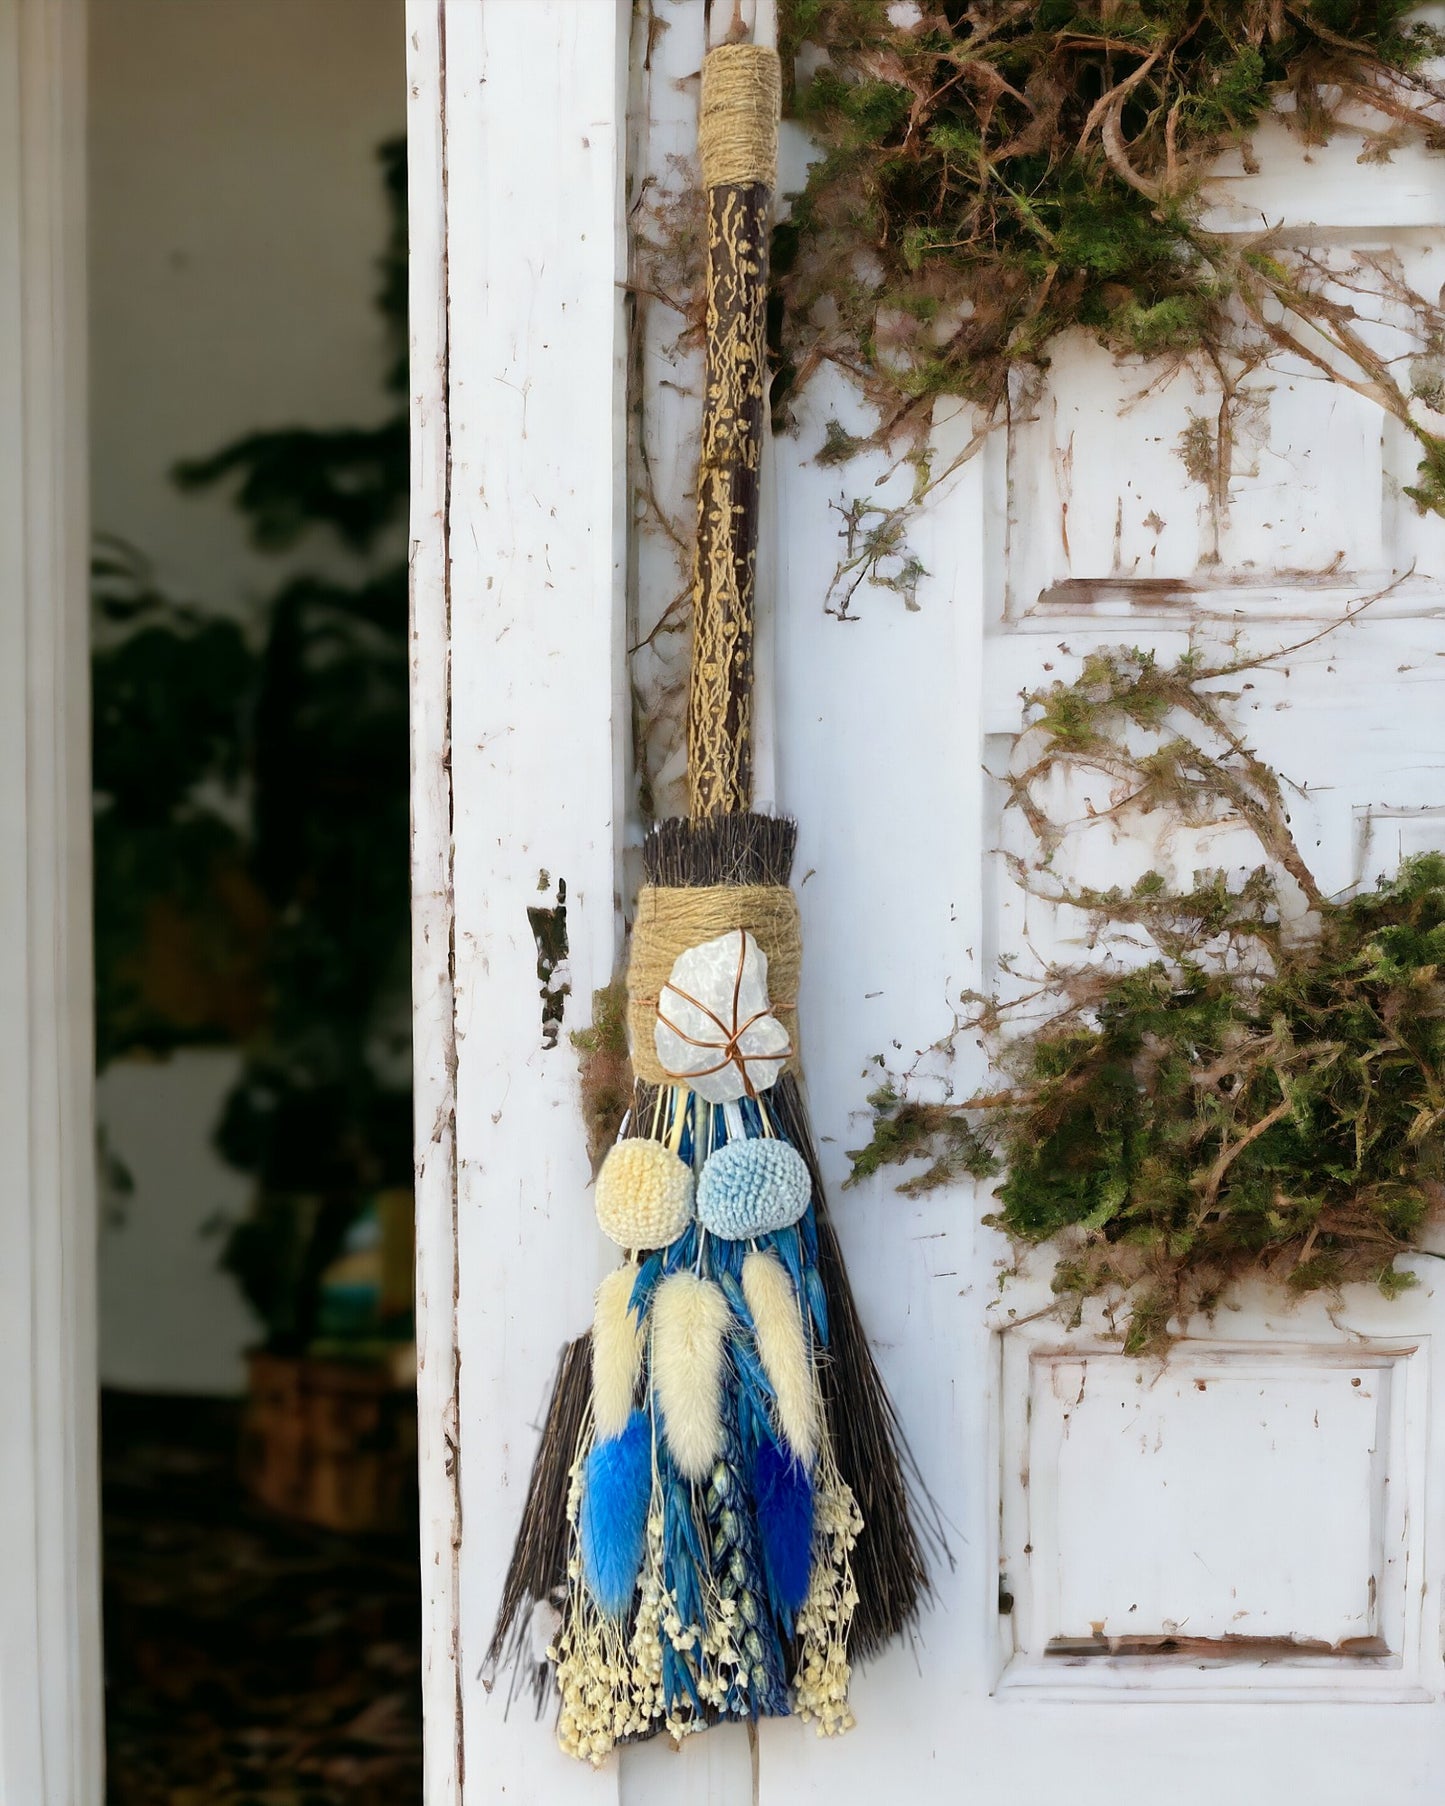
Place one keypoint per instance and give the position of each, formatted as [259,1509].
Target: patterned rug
[249,1661]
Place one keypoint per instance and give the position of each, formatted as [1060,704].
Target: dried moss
[1246,1101]
[998,172]
[905,1129]
[606,1068]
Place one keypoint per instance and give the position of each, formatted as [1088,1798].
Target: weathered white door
[1270,1499]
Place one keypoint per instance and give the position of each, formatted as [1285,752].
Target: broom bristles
[889,1563]
[720,849]
[538,1568]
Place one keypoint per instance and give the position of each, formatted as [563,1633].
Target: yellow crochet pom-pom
[644,1195]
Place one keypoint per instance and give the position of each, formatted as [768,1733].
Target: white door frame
[51,1744]
[516,137]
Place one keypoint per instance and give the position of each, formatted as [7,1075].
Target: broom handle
[737,140]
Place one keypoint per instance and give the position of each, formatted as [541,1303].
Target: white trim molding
[50,1679]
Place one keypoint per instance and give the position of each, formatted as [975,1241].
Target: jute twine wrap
[737,132]
[670,921]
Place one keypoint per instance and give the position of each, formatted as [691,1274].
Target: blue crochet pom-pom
[749,1188]
[783,1494]
[612,1519]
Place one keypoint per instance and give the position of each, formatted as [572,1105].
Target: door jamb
[51,1738]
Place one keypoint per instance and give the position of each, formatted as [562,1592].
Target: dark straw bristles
[721,849]
[538,1568]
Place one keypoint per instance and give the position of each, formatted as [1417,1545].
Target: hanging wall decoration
[718,1522]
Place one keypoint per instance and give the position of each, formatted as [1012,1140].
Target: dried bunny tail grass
[617,1342]
[690,1319]
[783,1350]
[612,1523]
[820,1682]
[538,1568]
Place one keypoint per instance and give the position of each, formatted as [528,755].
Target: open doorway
[249,665]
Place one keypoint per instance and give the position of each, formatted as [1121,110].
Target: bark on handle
[737,141]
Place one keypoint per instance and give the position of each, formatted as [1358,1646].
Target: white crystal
[715,1030]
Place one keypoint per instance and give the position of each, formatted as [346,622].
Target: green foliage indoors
[1002,171]
[1255,1098]
[175,918]
[256,792]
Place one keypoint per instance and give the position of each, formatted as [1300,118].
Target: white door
[1218,1577]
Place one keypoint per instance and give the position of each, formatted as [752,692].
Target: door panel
[1238,1522]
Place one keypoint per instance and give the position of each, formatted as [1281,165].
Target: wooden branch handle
[737,140]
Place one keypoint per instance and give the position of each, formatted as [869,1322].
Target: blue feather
[683,1560]
[784,1497]
[807,1227]
[817,1303]
[733,1292]
[612,1522]
[643,1286]
[754,1423]
[677,1679]
[785,1241]
[754,1418]
[683,1251]
[749,1368]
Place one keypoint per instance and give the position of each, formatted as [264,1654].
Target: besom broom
[719,1515]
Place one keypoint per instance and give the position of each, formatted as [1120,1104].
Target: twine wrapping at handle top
[669,921]
[737,131]
[738,142]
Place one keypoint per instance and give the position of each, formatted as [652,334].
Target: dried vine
[998,172]
[996,175]
[1262,1093]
